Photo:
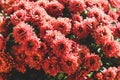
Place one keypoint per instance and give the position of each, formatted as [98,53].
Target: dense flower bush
[59,39]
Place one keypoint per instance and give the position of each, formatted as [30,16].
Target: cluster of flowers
[40,30]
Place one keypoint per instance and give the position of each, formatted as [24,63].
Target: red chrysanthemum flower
[31,44]
[118,74]
[80,30]
[6,63]
[19,58]
[61,47]
[3,23]
[113,15]
[43,28]
[92,62]
[116,32]
[22,31]
[115,3]
[43,49]
[64,2]
[23,4]
[99,15]
[34,60]
[51,66]
[37,15]
[99,76]
[42,3]
[76,6]
[54,8]
[77,17]
[52,35]
[69,63]
[63,25]
[2,43]
[109,74]
[111,49]
[102,34]
[18,16]
[91,23]
[83,52]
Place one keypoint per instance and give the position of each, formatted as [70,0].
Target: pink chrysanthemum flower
[69,64]
[61,47]
[111,49]
[80,30]
[92,62]
[2,43]
[37,14]
[31,44]
[52,35]
[18,16]
[34,60]
[76,6]
[63,25]
[51,66]
[54,8]
[22,31]
[102,34]
[109,74]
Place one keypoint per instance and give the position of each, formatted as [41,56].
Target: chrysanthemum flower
[76,6]
[109,74]
[43,28]
[22,31]
[111,49]
[6,63]
[54,8]
[31,44]
[102,34]
[118,73]
[80,30]
[18,16]
[23,4]
[69,63]
[34,60]
[51,66]
[42,3]
[115,3]
[19,58]
[83,52]
[64,2]
[77,17]
[36,15]
[116,32]
[61,47]
[63,25]
[52,35]
[92,62]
